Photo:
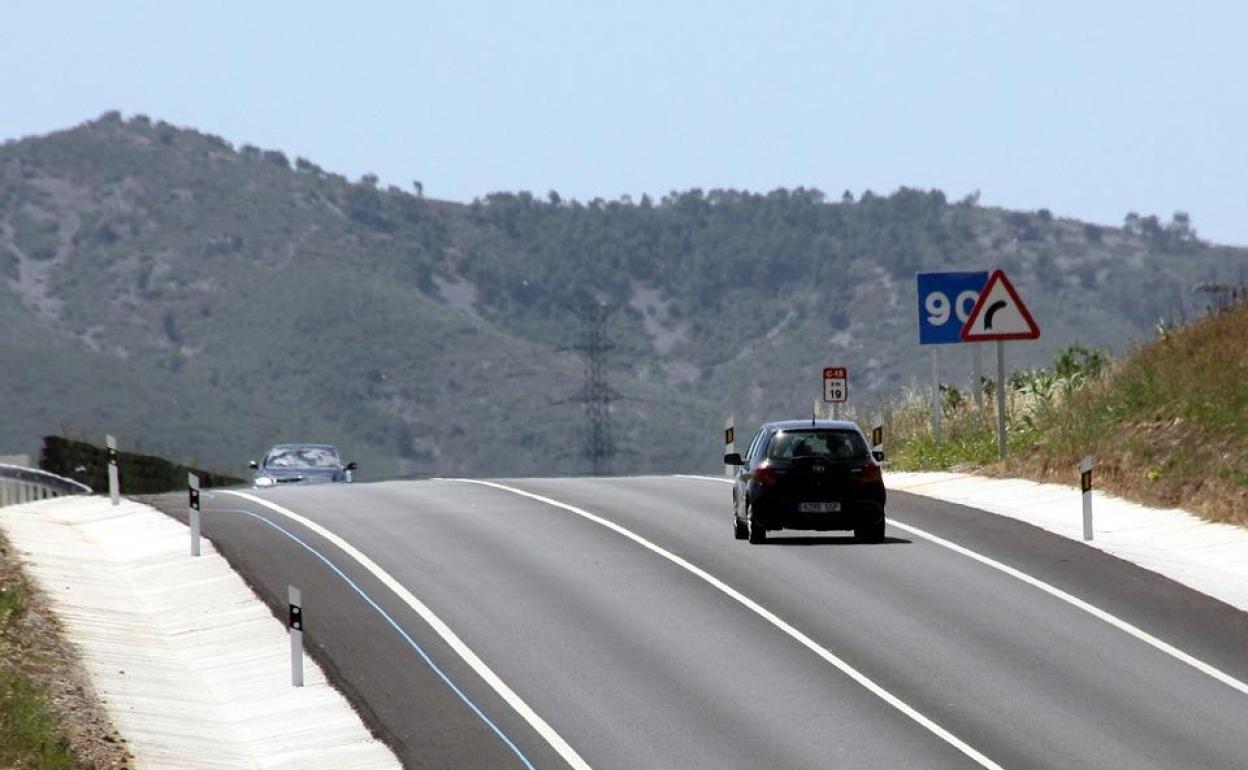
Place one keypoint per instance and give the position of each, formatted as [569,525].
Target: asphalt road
[636,662]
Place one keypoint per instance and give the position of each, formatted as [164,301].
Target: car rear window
[826,444]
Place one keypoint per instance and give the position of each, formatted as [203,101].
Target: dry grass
[1168,425]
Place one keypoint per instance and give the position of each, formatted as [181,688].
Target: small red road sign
[835,384]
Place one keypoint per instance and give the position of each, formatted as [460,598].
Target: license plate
[819,507]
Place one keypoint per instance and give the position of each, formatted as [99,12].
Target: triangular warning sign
[999,314]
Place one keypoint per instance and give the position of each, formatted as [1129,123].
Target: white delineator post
[192,494]
[1001,445]
[1085,484]
[296,636]
[935,395]
[114,480]
[730,443]
[877,435]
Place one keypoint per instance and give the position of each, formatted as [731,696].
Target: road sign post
[1002,447]
[730,443]
[295,597]
[114,477]
[999,315]
[192,494]
[977,379]
[1085,485]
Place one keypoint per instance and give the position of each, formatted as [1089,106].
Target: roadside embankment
[1167,425]
[1206,556]
[191,667]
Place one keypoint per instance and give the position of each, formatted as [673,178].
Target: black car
[806,474]
[301,463]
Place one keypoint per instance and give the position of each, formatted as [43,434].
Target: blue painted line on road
[395,625]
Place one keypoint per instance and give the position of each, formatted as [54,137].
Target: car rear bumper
[787,515]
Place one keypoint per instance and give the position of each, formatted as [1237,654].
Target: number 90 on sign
[945,302]
[835,385]
[938,307]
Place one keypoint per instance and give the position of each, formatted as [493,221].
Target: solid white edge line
[461,649]
[1052,590]
[767,615]
[1075,601]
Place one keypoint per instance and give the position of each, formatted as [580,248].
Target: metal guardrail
[23,485]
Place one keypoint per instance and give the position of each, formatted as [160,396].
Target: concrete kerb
[1208,557]
[189,684]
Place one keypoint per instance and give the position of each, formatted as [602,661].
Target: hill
[205,301]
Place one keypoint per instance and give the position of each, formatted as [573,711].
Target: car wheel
[739,529]
[870,533]
[757,534]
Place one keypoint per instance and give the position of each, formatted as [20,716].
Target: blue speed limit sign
[945,302]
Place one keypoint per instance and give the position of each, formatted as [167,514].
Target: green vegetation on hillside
[1168,424]
[203,302]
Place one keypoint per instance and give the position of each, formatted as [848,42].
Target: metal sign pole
[192,494]
[295,597]
[1001,447]
[1085,484]
[977,374]
[936,395]
[114,480]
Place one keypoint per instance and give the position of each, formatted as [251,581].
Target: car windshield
[302,457]
[824,444]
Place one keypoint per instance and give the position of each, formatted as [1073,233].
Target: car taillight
[765,476]
[870,474]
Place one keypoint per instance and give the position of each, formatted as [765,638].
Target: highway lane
[636,663]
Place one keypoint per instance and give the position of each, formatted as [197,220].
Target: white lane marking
[441,628]
[1070,599]
[1075,601]
[767,615]
[701,478]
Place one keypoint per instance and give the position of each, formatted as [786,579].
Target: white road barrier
[1085,485]
[295,624]
[114,472]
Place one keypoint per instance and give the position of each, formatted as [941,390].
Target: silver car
[301,463]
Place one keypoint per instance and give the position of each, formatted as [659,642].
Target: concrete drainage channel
[190,685]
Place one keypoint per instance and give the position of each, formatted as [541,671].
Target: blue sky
[1089,109]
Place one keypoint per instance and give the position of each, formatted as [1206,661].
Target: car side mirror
[352,466]
[733,458]
[878,454]
[253,465]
